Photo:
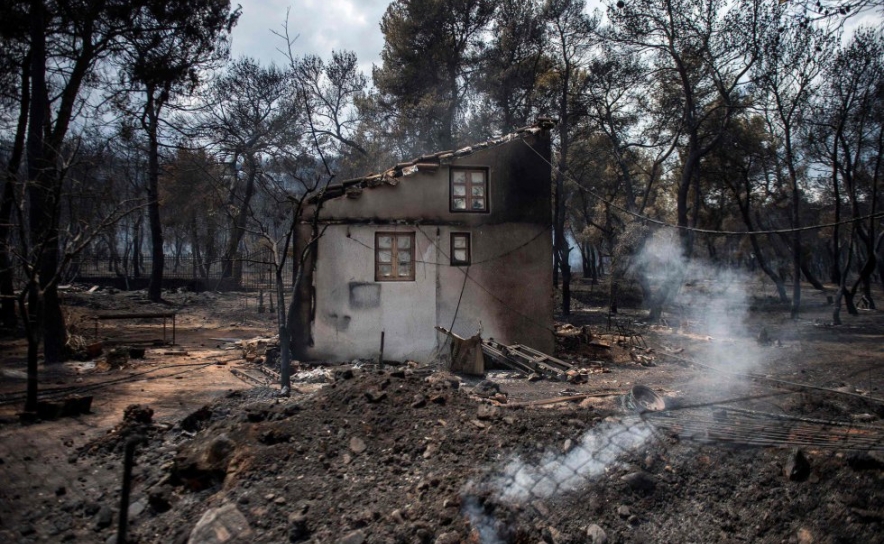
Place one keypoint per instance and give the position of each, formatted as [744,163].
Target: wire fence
[250,272]
[620,443]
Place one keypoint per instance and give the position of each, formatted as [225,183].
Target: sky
[327,25]
[322,26]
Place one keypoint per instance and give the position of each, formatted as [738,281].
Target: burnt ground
[412,454]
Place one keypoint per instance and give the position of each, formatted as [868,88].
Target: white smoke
[598,451]
[481,522]
[710,306]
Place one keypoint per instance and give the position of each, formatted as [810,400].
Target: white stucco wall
[352,308]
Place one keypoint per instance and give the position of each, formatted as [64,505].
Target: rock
[343,374]
[450,537]
[805,536]
[431,449]
[138,413]
[357,445]
[640,481]
[104,517]
[159,498]
[444,380]
[355,537]
[396,516]
[486,411]
[223,524]
[136,508]
[486,389]
[298,530]
[596,534]
[860,460]
[91,508]
[373,396]
[203,463]
[797,467]
[623,511]
[551,535]
[419,401]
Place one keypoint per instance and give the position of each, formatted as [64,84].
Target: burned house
[460,239]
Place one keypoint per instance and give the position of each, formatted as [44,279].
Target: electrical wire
[661,223]
[471,279]
[18,396]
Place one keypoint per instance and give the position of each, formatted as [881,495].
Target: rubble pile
[411,456]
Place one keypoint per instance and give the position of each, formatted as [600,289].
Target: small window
[469,189]
[394,256]
[460,248]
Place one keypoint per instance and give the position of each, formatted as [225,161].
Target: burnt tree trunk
[7,200]
[152,113]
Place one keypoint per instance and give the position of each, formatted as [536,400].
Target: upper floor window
[469,189]
[460,248]
[394,256]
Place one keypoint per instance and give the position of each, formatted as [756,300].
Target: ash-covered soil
[404,455]
[408,456]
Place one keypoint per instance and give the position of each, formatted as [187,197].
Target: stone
[203,463]
[137,413]
[797,467]
[596,534]
[860,460]
[486,389]
[104,517]
[551,535]
[374,396]
[419,401]
[355,537]
[298,529]
[137,508]
[805,536]
[396,516]
[450,537]
[223,524]
[640,481]
[444,380]
[486,411]
[159,498]
[431,450]
[357,445]
[623,511]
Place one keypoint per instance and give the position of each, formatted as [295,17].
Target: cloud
[321,26]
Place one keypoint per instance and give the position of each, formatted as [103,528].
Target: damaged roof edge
[426,163]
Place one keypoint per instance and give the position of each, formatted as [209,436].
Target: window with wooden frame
[394,256]
[460,248]
[469,190]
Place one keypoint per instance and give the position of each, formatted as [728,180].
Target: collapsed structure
[457,238]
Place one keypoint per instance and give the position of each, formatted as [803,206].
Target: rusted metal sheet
[466,354]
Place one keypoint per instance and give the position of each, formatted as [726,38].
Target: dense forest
[753,129]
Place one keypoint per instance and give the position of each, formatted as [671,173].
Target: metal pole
[128,462]
[381,356]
